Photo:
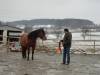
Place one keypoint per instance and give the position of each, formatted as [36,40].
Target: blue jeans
[66,51]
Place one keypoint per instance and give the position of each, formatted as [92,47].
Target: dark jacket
[67,40]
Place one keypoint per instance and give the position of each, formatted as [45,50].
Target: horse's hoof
[32,58]
[27,59]
[24,57]
[26,74]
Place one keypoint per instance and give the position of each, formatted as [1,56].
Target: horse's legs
[23,52]
[33,53]
[28,53]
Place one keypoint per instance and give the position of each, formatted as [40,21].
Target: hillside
[74,23]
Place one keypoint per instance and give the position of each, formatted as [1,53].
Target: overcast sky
[11,10]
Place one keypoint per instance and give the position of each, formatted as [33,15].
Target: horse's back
[24,39]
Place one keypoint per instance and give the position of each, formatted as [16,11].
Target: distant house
[9,33]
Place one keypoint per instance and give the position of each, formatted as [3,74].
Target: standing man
[66,44]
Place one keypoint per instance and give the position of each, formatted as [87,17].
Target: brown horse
[29,40]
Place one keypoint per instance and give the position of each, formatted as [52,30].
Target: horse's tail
[23,39]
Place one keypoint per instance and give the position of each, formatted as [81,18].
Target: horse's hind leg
[23,52]
[28,53]
[32,53]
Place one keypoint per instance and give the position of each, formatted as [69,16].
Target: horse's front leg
[28,53]
[33,53]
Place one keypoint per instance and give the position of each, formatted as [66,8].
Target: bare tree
[58,32]
[85,32]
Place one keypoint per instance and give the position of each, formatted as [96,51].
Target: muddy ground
[11,63]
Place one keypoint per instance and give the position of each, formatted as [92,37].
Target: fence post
[94,46]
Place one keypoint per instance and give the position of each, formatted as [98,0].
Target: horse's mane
[34,34]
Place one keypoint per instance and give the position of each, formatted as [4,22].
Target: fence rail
[81,46]
[87,46]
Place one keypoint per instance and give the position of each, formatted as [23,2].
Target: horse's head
[37,33]
[41,34]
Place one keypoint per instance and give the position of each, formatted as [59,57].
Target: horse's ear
[41,29]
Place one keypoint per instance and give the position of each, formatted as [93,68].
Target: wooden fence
[86,46]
